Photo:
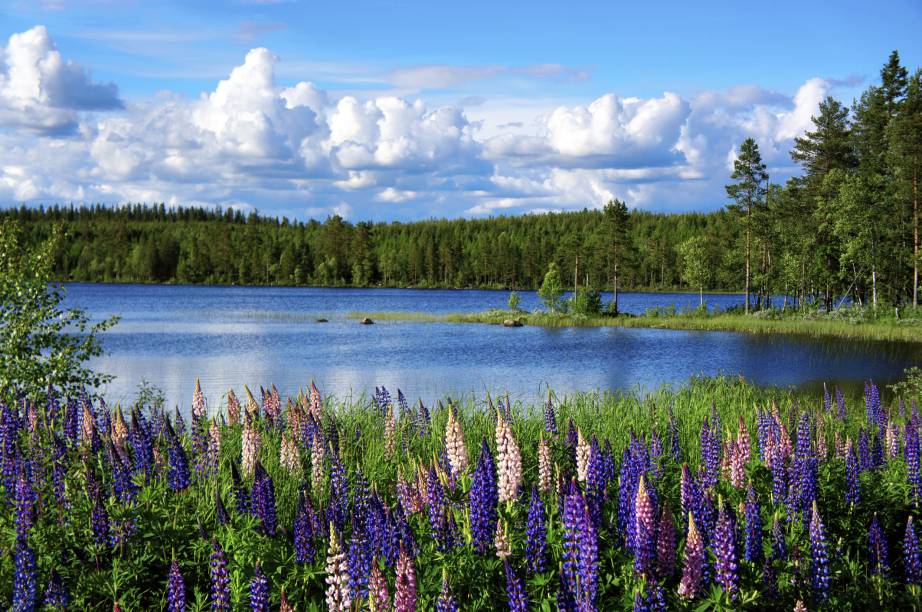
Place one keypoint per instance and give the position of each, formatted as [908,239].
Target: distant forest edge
[848,225]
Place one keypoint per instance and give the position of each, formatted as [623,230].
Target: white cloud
[41,91]
[252,142]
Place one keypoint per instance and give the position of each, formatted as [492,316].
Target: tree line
[848,225]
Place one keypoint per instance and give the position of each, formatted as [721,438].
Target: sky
[402,110]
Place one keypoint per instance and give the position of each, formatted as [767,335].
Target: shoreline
[906,331]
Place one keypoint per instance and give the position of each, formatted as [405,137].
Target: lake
[228,336]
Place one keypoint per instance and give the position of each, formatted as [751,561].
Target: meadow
[715,495]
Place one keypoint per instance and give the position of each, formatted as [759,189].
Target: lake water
[229,336]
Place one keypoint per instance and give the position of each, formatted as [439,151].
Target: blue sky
[402,110]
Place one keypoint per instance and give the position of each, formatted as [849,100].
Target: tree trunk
[748,217]
[614,285]
[701,296]
[915,239]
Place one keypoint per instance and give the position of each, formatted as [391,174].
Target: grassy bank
[906,329]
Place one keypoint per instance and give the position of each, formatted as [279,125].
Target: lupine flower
[263,500]
[405,589]
[819,558]
[175,589]
[893,441]
[454,445]
[250,441]
[318,456]
[852,471]
[446,601]
[25,588]
[178,475]
[119,428]
[259,590]
[501,540]
[653,600]
[911,454]
[675,449]
[644,530]
[378,597]
[580,551]
[284,604]
[483,500]
[56,596]
[289,455]
[100,523]
[753,544]
[692,562]
[390,433]
[779,544]
[509,462]
[550,417]
[724,545]
[303,532]
[582,457]
[710,453]
[438,511]
[25,498]
[535,535]
[241,495]
[877,544]
[220,581]
[339,493]
[233,408]
[912,565]
[544,465]
[665,544]
[515,591]
[338,596]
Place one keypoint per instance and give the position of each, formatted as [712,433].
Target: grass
[848,324]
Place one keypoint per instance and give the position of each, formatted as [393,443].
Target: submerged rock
[366,321]
[321,320]
[512,323]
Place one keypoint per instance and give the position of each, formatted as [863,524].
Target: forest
[847,225]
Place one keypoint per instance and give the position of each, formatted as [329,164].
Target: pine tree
[748,193]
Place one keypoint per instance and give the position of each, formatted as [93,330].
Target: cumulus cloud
[41,91]
[295,148]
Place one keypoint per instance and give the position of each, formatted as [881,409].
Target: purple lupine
[339,492]
[483,498]
[864,451]
[550,417]
[653,599]
[595,482]
[70,421]
[692,562]
[753,545]
[220,580]
[819,558]
[263,500]
[99,522]
[220,511]
[779,543]
[827,399]
[840,404]
[627,494]
[572,435]
[643,545]
[656,455]
[912,564]
[675,447]
[515,590]
[710,454]
[259,590]
[303,532]
[175,589]
[806,486]
[665,544]
[25,587]
[911,454]
[852,472]
[241,495]
[142,443]
[56,595]
[178,475]
[25,498]
[535,535]
[446,601]
[405,587]
[724,547]
[438,511]
[359,560]
[580,556]
[124,487]
[877,546]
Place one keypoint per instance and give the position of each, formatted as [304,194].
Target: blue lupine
[852,473]
[483,498]
[339,492]
[259,591]
[25,587]
[178,475]
[819,558]
[56,595]
[779,543]
[653,599]
[877,545]
[446,601]
[595,482]
[141,443]
[864,451]
[580,554]
[515,591]
[25,497]
[221,515]
[912,564]
[827,399]
[303,532]
[175,590]
[550,417]
[438,511]
[710,454]
[675,448]
[535,535]
[911,454]
[100,523]
[220,579]
[263,500]
[724,546]
[359,557]
[241,496]
[753,544]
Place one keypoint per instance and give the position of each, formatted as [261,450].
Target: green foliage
[585,302]
[514,300]
[42,343]
[695,266]
[551,289]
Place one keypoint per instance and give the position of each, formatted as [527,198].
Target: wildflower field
[716,495]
